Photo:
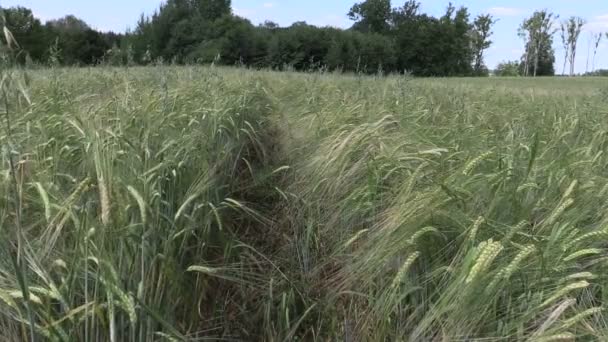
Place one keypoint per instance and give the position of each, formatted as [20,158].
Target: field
[203,203]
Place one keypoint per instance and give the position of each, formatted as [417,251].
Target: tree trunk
[572,59]
[478,60]
[536,58]
[588,53]
[571,68]
[526,63]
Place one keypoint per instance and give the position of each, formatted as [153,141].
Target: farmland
[189,203]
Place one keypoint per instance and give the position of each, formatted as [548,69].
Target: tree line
[68,40]
[382,39]
[538,58]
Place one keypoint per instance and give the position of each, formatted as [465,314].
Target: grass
[197,203]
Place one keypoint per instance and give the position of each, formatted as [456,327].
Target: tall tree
[480,39]
[563,34]
[589,40]
[539,28]
[597,38]
[371,16]
[459,44]
[524,34]
[409,31]
[405,13]
[180,27]
[573,27]
[429,46]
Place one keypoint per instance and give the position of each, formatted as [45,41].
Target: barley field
[202,203]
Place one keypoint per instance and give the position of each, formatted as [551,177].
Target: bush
[507,69]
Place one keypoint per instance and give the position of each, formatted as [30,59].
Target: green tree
[376,53]
[450,44]
[341,53]
[563,34]
[180,30]
[78,43]
[211,9]
[461,53]
[411,30]
[239,42]
[371,16]
[428,46]
[480,40]
[28,32]
[597,38]
[507,69]
[539,55]
[571,31]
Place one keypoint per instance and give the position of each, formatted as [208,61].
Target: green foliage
[482,30]
[508,69]
[179,28]
[382,40]
[570,30]
[539,56]
[371,16]
[71,39]
[28,32]
[431,46]
[600,72]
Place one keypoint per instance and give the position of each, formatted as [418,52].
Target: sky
[119,15]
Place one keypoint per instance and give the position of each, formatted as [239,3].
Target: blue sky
[117,15]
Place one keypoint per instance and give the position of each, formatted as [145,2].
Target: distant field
[184,203]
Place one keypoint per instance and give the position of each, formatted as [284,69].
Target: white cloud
[598,24]
[505,11]
[268,5]
[603,17]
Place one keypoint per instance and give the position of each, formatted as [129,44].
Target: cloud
[505,11]
[598,24]
[268,5]
[603,17]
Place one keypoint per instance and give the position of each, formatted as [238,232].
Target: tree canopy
[381,39]
[537,32]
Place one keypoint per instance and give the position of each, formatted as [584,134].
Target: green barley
[565,290]
[470,166]
[555,338]
[558,211]
[404,269]
[488,251]
[582,253]
[513,266]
